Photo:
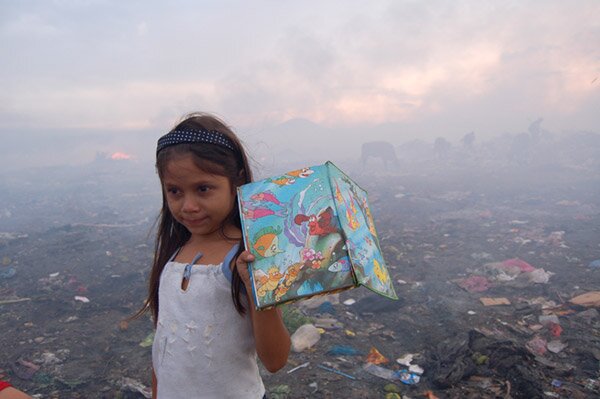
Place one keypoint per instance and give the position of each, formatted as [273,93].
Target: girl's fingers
[246,257]
[242,266]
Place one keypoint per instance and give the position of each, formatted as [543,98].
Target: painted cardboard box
[312,233]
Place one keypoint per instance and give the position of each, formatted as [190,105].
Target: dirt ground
[438,226]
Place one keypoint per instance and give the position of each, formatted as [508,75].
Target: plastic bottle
[305,337]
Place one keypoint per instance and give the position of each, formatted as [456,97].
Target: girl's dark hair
[171,235]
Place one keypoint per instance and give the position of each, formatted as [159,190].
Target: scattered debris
[589,299]
[336,371]
[82,299]
[375,357]
[303,365]
[24,369]
[130,385]
[498,289]
[474,283]
[343,350]
[8,301]
[148,341]
[494,301]
[281,391]
[305,337]
[7,272]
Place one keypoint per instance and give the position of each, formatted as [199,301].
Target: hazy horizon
[81,77]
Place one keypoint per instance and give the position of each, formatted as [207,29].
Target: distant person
[208,333]
[7,391]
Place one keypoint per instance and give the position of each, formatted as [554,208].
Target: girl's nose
[190,204]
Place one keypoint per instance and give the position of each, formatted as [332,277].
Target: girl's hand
[242,267]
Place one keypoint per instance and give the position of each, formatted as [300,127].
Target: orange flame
[120,156]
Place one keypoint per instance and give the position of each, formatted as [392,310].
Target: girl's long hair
[171,235]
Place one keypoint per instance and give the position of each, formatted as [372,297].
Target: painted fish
[380,272]
[369,218]
[301,173]
[341,265]
[266,242]
[254,213]
[266,196]
[338,193]
[283,181]
[353,223]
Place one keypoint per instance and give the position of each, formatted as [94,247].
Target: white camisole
[203,348]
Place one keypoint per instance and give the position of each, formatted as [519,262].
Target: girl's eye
[203,189]
[172,191]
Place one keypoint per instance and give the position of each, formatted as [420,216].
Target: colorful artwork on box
[361,238]
[311,232]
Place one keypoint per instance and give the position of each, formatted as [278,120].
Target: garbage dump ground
[497,267]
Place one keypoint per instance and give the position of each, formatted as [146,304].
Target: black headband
[194,136]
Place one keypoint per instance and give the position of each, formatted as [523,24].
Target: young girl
[208,333]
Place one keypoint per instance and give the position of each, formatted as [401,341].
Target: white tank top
[203,348]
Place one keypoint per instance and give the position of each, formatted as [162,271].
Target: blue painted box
[312,233]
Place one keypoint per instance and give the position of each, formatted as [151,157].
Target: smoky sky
[427,69]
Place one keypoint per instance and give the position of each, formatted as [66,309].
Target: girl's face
[198,200]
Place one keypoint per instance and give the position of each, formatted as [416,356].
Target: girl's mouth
[195,222]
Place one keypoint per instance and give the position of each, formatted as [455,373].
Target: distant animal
[468,140]
[442,147]
[521,148]
[379,149]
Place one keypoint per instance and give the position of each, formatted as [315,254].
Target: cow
[442,147]
[379,149]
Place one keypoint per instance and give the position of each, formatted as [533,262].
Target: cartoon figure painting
[267,281]
[266,242]
[312,232]
[319,225]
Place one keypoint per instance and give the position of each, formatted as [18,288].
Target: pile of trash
[511,272]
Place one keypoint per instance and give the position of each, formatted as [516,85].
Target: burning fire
[120,156]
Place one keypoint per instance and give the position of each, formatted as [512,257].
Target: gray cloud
[428,68]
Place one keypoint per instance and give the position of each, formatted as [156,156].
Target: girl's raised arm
[270,334]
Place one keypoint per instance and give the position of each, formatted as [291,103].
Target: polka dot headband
[194,136]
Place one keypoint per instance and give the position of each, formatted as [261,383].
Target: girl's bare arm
[270,334]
